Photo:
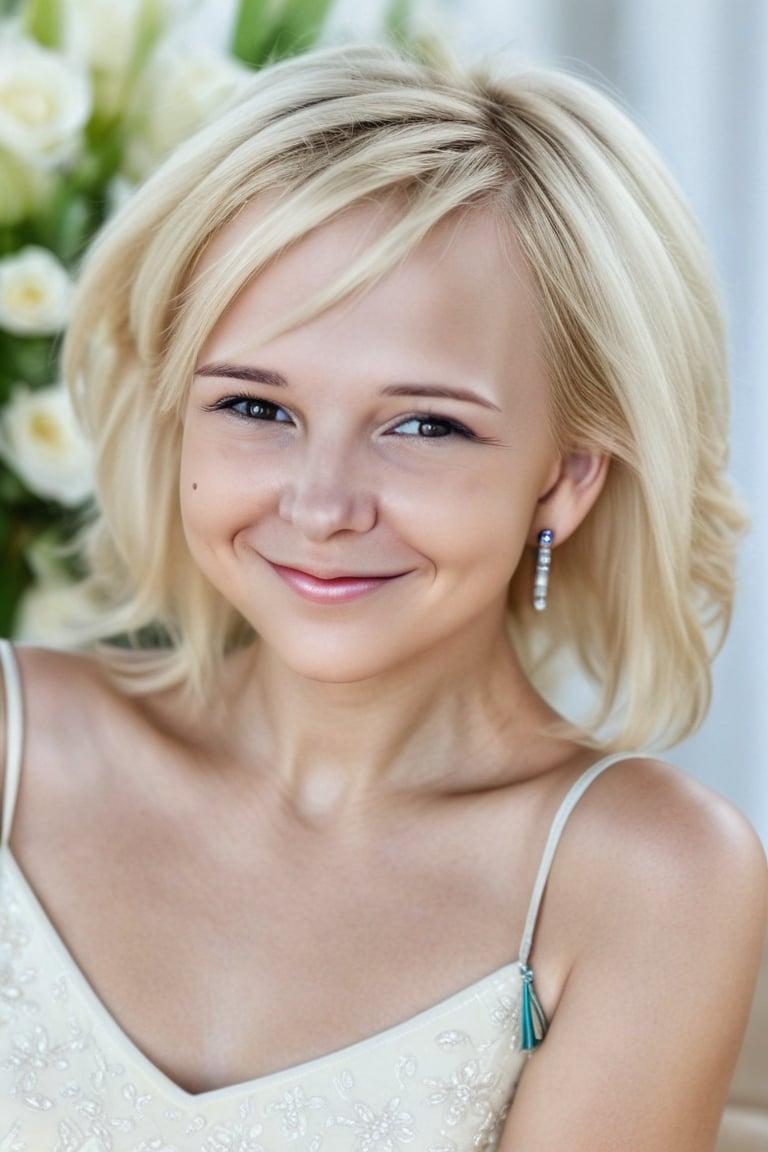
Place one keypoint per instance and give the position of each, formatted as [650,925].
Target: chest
[441,1079]
[226,962]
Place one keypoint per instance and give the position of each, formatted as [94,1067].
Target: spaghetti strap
[571,799]
[533,1020]
[14,725]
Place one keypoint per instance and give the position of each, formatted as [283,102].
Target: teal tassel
[533,1022]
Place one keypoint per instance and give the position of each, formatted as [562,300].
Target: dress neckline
[516,972]
[509,972]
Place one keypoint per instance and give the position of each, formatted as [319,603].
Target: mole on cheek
[194,487]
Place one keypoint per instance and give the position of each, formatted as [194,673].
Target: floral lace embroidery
[71,1081]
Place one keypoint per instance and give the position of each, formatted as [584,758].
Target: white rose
[49,613]
[102,33]
[35,293]
[45,102]
[41,441]
[180,90]
[111,37]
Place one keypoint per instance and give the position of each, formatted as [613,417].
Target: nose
[326,493]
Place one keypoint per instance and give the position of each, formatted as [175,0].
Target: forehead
[463,295]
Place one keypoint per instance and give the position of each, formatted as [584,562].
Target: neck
[435,727]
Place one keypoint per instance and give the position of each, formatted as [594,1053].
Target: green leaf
[12,491]
[9,240]
[14,571]
[149,29]
[72,226]
[30,360]
[397,21]
[151,25]
[273,29]
[43,21]
[67,223]
[302,24]
[253,28]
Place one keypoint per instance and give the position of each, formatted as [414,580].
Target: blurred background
[94,92]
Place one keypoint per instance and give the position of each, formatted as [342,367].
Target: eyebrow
[265,376]
[443,391]
[243,372]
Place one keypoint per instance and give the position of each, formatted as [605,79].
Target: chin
[332,661]
[332,668]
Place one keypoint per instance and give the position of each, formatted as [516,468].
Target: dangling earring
[543,564]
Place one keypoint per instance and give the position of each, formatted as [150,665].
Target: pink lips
[337,590]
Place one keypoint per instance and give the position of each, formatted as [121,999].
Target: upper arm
[54,687]
[648,1026]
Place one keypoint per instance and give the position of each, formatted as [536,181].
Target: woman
[402,386]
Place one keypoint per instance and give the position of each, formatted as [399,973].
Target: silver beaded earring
[543,564]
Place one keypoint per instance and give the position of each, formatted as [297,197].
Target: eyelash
[231,403]
[453,427]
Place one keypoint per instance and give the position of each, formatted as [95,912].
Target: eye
[430,428]
[251,408]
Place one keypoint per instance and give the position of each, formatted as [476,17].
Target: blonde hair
[642,592]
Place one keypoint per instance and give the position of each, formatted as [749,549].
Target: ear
[573,489]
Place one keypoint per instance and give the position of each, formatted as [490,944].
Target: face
[362,486]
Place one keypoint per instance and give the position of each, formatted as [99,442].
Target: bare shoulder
[645,817]
[667,850]
[677,833]
[54,680]
[67,698]
[660,888]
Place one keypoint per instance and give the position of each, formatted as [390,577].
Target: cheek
[491,521]
[205,472]
[481,506]
[203,488]
[197,519]
[190,454]
[223,492]
[191,495]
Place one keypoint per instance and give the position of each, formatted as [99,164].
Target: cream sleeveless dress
[71,1080]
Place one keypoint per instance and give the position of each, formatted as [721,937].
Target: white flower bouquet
[93,93]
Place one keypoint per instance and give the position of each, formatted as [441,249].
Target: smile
[331,590]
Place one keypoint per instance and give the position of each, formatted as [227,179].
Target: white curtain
[694,73]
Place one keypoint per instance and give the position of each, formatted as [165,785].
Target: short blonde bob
[642,592]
